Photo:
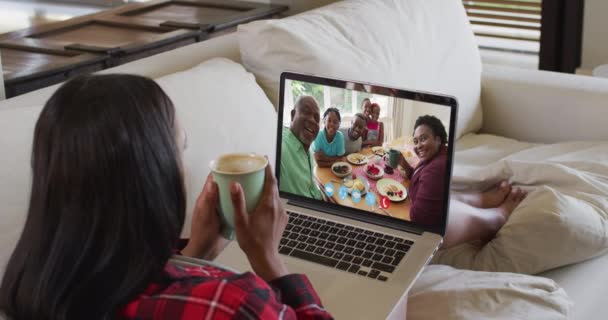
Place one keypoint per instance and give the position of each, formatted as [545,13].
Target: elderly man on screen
[296,159]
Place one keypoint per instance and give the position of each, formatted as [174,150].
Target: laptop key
[329,253]
[387,259]
[382,278]
[289,226]
[377,257]
[302,238]
[361,237]
[357,252]
[380,250]
[380,242]
[398,239]
[409,243]
[402,247]
[324,235]
[339,225]
[285,250]
[367,263]
[319,250]
[298,222]
[360,245]
[324,228]
[293,236]
[342,233]
[292,244]
[283,241]
[315,226]
[338,255]
[343,265]
[390,244]
[358,230]
[310,248]
[314,258]
[357,260]
[373,274]
[348,250]
[348,258]
[389,252]
[362,273]
[383,267]
[397,258]
[296,229]
[378,234]
[333,238]
[320,242]
[367,254]
[342,240]
[387,237]
[354,268]
[351,242]
[286,234]
[330,245]
[370,239]
[333,230]
[315,233]
[370,247]
[349,228]
[351,235]
[306,224]
[311,240]
[368,232]
[306,231]
[301,246]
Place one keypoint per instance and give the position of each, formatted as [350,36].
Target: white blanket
[563,220]
[442,292]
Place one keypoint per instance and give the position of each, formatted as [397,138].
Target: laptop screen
[366,151]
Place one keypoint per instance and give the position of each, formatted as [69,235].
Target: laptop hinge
[377,220]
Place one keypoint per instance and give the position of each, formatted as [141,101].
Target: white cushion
[222,110]
[563,220]
[442,292]
[416,44]
[218,103]
[15,174]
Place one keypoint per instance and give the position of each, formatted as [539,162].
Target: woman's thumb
[241,218]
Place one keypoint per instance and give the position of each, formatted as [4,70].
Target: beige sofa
[516,104]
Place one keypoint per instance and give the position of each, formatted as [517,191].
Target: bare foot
[491,198]
[509,204]
[495,196]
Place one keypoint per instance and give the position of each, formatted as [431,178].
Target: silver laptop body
[358,292]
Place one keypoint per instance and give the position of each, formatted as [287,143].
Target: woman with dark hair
[473,216]
[106,209]
[328,147]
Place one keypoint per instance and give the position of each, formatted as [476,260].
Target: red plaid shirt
[205,292]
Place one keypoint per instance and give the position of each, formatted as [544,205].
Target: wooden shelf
[40,56]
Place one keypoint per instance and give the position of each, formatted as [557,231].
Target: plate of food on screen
[379,151]
[357,183]
[341,169]
[391,189]
[374,171]
[357,158]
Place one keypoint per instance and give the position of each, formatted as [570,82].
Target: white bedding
[442,292]
[563,221]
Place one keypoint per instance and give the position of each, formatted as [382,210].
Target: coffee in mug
[248,170]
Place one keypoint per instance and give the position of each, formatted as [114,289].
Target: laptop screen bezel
[354,213]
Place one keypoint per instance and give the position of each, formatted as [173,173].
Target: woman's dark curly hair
[435,125]
[335,110]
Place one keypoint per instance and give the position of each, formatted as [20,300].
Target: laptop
[350,229]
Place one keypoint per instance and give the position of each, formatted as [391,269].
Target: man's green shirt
[296,167]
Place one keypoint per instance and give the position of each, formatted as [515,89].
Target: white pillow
[442,292]
[223,110]
[416,44]
[563,220]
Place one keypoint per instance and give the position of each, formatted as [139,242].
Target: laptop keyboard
[348,248]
